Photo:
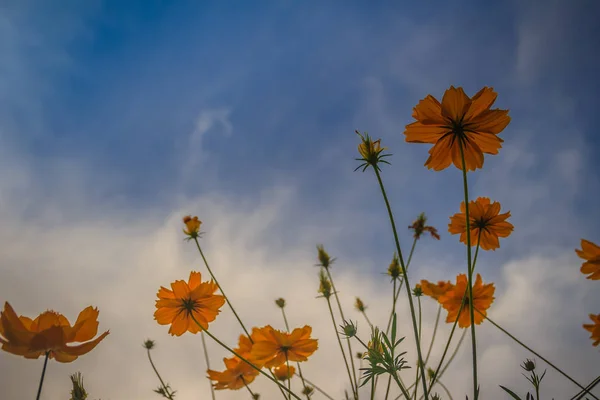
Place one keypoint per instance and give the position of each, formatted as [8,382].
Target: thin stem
[397,292]
[402,389]
[235,353]
[536,354]
[289,378]
[212,390]
[445,390]
[589,387]
[454,353]
[318,389]
[367,318]
[337,335]
[372,389]
[165,388]
[337,299]
[287,327]
[435,327]
[248,387]
[417,371]
[39,392]
[221,289]
[405,279]
[470,270]
[387,389]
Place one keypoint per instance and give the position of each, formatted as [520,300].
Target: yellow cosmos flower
[591,253]
[457,120]
[188,301]
[594,329]
[483,296]
[282,373]
[484,218]
[273,347]
[49,333]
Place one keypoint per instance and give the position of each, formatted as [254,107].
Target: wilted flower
[49,333]
[324,285]
[485,223]
[359,305]
[419,227]
[528,365]
[324,259]
[280,302]
[188,301]
[458,121]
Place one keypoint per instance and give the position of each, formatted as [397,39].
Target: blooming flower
[594,328]
[485,223]
[237,374]
[186,302]
[282,372]
[435,290]
[591,253]
[483,296]
[458,120]
[273,347]
[49,333]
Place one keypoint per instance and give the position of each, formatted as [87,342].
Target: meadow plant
[461,129]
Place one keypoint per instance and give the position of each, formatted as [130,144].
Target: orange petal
[429,111]
[417,132]
[181,289]
[490,121]
[195,280]
[455,103]
[83,348]
[86,326]
[482,101]
[440,156]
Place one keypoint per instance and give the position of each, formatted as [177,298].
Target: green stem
[212,390]
[397,293]
[221,289]
[337,299]
[470,274]
[213,337]
[589,387]
[435,327]
[536,354]
[337,335]
[445,390]
[367,318]
[287,327]
[248,387]
[165,388]
[417,371]
[402,389]
[39,392]
[405,279]
[289,378]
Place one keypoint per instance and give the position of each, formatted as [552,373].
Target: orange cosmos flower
[49,332]
[458,120]
[236,375]
[419,227]
[282,372]
[483,296]
[484,218]
[594,328]
[591,253]
[273,347]
[435,290]
[186,302]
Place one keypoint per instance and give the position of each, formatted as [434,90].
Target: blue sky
[122,115]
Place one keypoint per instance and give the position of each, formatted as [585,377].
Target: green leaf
[514,396]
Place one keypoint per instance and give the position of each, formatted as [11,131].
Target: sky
[119,118]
